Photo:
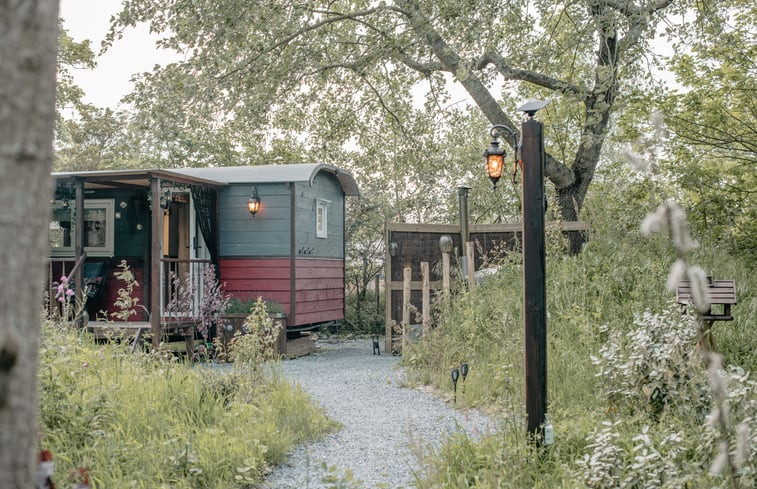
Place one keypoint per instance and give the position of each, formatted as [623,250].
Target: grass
[590,297]
[144,421]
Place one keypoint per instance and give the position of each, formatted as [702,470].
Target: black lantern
[165,199]
[253,203]
[494,156]
[455,376]
[464,370]
[494,159]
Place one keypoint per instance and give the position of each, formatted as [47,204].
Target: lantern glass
[253,204]
[495,164]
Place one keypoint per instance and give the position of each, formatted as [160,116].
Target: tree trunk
[28,40]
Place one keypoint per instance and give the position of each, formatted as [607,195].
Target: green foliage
[136,420]
[636,416]
[240,306]
[713,118]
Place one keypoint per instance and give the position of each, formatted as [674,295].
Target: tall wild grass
[628,396]
[139,420]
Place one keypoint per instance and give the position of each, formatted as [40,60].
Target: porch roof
[214,177]
[132,178]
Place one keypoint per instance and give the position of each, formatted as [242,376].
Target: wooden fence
[411,245]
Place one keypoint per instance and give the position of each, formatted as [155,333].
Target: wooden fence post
[407,274]
[426,298]
[470,258]
[445,275]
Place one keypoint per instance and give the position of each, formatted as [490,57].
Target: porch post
[79,243]
[156,252]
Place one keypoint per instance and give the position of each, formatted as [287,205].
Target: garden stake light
[455,376]
[464,373]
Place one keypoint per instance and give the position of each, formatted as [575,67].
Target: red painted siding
[319,290]
[249,278]
[110,295]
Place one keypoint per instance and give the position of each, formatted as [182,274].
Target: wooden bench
[722,297]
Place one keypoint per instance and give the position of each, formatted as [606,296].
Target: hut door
[176,245]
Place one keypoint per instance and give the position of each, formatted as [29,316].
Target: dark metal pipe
[462,194]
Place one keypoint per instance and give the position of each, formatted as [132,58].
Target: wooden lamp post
[534,261]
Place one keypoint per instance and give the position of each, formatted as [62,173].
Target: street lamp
[494,156]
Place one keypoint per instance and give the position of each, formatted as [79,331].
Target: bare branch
[424,68]
[628,8]
[529,76]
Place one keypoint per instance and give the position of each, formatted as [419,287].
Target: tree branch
[628,8]
[557,172]
[529,76]
[304,30]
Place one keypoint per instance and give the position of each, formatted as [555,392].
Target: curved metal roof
[306,172]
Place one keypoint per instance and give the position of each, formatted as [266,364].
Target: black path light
[534,262]
[464,373]
[494,156]
[253,203]
[455,376]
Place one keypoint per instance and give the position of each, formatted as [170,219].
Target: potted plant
[238,310]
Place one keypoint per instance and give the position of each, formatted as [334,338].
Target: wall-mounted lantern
[165,199]
[253,203]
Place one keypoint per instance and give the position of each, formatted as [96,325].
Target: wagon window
[98,228]
[321,219]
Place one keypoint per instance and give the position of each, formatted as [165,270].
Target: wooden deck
[106,330]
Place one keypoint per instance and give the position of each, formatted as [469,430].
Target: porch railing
[182,286]
[57,268]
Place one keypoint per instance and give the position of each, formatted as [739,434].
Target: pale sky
[135,53]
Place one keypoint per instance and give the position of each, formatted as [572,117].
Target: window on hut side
[321,219]
[98,228]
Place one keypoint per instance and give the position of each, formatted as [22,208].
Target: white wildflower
[721,460]
[742,444]
[636,160]
[656,221]
[699,288]
[717,384]
[677,273]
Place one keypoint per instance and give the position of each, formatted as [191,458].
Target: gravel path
[380,418]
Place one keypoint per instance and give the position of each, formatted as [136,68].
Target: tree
[329,69]
[714,121]
[28,36]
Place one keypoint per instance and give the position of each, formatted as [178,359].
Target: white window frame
[321,218]
[103,251]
